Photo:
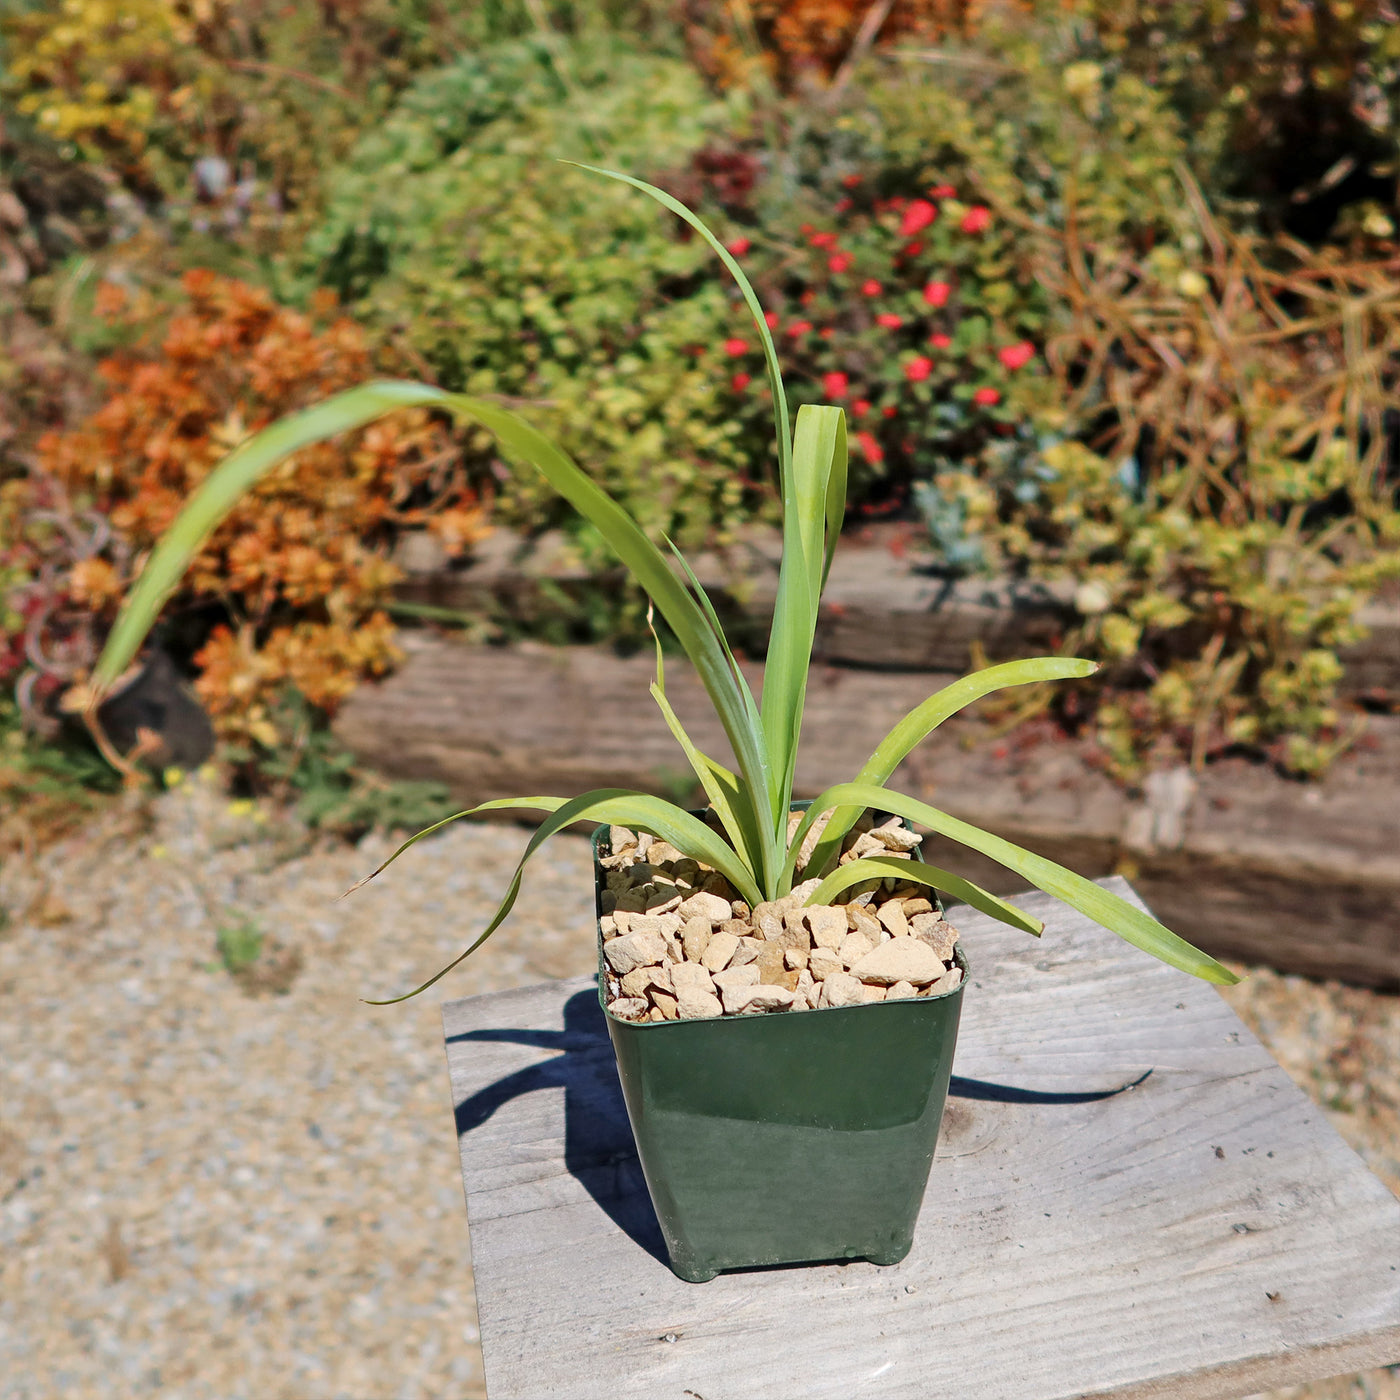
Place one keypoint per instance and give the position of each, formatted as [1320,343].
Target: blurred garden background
[1110,293]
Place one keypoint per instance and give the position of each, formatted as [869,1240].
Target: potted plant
[780,985]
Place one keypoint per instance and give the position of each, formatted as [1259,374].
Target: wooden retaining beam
[1304,877]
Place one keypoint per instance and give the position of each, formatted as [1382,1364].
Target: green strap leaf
[726,794]
[636,809]
[818,446]
[770,354]
[877,867]
[921,721]
[354,409]
[1101,905]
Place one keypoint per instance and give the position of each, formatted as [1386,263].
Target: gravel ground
[224,1187]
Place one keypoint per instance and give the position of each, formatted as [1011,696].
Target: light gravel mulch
[212,1188]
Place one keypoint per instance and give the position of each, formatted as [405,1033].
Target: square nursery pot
[786,1137]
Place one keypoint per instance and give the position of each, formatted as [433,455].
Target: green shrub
[455,231]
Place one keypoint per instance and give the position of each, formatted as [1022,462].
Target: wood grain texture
[1304,877]
[1205,1234]
[882,606]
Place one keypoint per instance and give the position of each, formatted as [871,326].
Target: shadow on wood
[598,1147]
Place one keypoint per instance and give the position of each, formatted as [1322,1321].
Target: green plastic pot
[787,1137]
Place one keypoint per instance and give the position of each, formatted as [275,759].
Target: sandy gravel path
[212,1191]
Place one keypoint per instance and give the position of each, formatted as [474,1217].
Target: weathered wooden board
[1305,877]
[1205,1234]
[882,607]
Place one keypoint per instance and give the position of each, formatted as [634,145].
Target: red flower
[826,332]
[807,298]
[912,250]
[937,293]
[850,181]
[835,384]
[918,369]
[889,410]
[843,204]
[861,407]
[823,240]
[942,192]
[1015,356]
[806,229]
[919,215]
[870,287]
[889,320]
[771,317]
[986,397]
[872,449]
[976,219]
[939,341]
[740,382]
[799,328]
[735,346]
[739,247]
[839,262]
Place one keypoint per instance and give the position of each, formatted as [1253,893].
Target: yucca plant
[751,803]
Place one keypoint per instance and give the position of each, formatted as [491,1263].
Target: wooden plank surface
[1205,1234]
[1304,877]
[883,605]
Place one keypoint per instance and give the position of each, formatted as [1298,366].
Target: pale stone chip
[823,962]
[656,1014]
[631,950]
[841,989]
[662,899]
[760,998]
[868,845]
[747,951]
[768,921]
[770,964]
[665,1003]
[803,892]
[863,921]
[644,840]
[896,836]
[703,905]
[949,982]
[828,925]
[807,986]
[869,993]
[740,928]
[698,1006]
[689,976]
[718,951]
[810,841]
[630,1008]
[899,960]
[619,836]
[854,947]
[636,982]
[662,853]
[740,908]
[736,977]
[891,914]
[795,958]
[607,925]
[622,920]
[695,937]
[917,905]
[938,933]
[900,990]
[651,923]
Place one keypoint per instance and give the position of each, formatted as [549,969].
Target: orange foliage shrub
[301,566]
[810,37]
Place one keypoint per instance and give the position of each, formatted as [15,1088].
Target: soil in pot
[679,943]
